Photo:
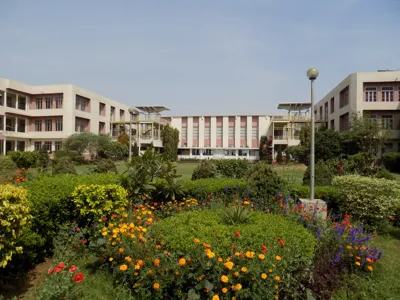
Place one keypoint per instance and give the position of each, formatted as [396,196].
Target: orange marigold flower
[229,265]
[264,276]
[196,240]
[121,250]
[224,278]
[278,258]
[224,290]
[238,287]
[140,263]
[182,262]
[128,259]
[277,278]
[123,267]
[244,269]
[156,286]
[215,297]
[261,256]
[358,263]
[156,262]
[220,259]
[370,268]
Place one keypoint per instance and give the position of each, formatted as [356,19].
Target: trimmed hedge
[263,229]
[217,186]
[233,168]
[24,159]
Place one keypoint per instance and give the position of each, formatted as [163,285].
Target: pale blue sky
[198,57]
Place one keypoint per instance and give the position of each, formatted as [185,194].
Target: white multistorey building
[374,95]
[35,116]
[238,136]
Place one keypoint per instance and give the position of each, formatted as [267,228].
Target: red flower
[105,219]
[59,267]
[84,241]
[113,216]
[264,249]
[73,269]
[78,277]
[233,247]
[237,233]
[51,270]
[280,242]
[393,218]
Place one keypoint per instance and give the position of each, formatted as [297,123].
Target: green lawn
[384,283]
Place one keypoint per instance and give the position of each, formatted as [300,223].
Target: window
[11,102]
[231,133]
[1,124]
[344,97]
[21,145]
[387,121]
[243,132]
[59,101]
[102,109]
[326,111]
[112,113]
[21,125]
[254,133]
[196,132]
[207,152]
[332,105]
[1,102]
[38,125]
[22,103]
[184,133]
[59,124]
[38,146]
[57,146]
[344,122]
[81,125]
[387,94]
[372,117]
[320,113]
[102,128]
[219,133]
[10,124]
[332,124]
[207,132]
[370,94]
[47,146]
[49,101]
[121,115]
[38,103]
[81,103]
[48,125]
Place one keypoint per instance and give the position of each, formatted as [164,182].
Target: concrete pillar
[16,101]
[4,146]
[16,124]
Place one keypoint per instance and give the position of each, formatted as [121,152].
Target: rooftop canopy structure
[294,106]
[155,109]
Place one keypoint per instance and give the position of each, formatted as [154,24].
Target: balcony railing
[292,117]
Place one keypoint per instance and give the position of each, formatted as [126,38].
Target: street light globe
[312,73]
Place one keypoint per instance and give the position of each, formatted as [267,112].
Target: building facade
[35,116]
[374,95]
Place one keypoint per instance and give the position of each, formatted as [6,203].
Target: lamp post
[131,110]
[312,74]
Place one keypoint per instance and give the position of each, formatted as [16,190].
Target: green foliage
[327,144]
[168,189]
[262,229]
[85,141]
[298,153]
[96,200]
[279,157]
[123,138]
[135,149]
[72,155]
[63,166]
[323,174]
[232,168]
[391,161]
[217,186]
[327,193]
[7,166]
[263,183]
[236,214]
[364,163]
[52,203]
[104,166]
[370,201]
[170,139]
[43,159]
[265,151]
[114,150]
[140,177]
[14,215]
[206,169]
[24,159]
[382,172]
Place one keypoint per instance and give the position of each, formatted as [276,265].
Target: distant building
[374,95]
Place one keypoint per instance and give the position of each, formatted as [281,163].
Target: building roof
[294,105]
[152,109]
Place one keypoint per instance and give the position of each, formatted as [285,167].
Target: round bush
[206,169]
[323,175]
[63,166]
[104,166]
[24,159]
[262,229]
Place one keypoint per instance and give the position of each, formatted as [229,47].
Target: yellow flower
[277,278]
[128,259]
[270,270]
[156,286]
[224,290]
[238,287]
[182,262]
[104,233]
[358,257]
[250,254]
[237,254]
[358,263]
[121,250]
[125,215]
[224,278]
[348,247]
[137,267]
[196,240]
[264,276]
[110,259]
[368,260]
[370,268]
[276,297]
[215,297]
[229,265]
[261,256]
[220,259]
[156,263]
[275,287]
[236,274]
[278,258]
[123,267]
[177,273]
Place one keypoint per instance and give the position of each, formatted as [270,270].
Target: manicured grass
[185,169]
[384,282]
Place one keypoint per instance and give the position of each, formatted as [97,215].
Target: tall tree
[265,151]
[170,139]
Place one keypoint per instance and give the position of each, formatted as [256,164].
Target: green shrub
[72,155]
[96,200]
[232,168]
[205,169]
[262,229]
[391,161]
[64,166]
[52,202]
[7,166]
[115,151]
[24,159]
[323,175]
[104,166]
[43,159]
[370,201]
[326,193]
[14,215]
[217,186]
[263,184]
[340,167]
[382,172]
[364,163]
